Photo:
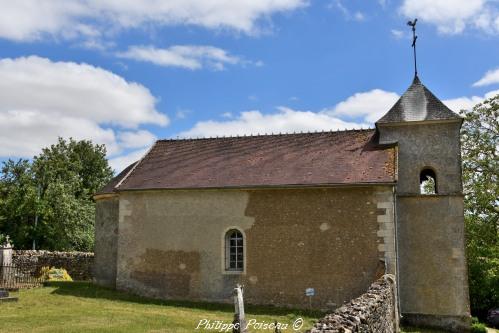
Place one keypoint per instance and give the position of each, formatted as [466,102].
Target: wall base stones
[448,323]
[78,264]
[374,311]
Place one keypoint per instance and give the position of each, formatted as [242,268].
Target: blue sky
[127,73]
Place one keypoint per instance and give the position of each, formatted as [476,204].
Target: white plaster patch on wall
[190,221]
[202,215]
[125,209]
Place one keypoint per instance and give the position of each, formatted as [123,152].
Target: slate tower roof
[418,104]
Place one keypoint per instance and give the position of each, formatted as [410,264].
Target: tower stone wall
[430,228]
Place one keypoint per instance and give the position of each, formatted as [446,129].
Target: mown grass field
[74,307]
[77,307]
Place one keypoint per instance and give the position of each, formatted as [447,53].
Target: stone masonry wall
[386,230]
[374,311]
[106,240]
[78,264]
[171,244]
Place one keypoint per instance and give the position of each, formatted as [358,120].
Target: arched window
[234,251]
[427,181]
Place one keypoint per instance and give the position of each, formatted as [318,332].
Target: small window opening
[234,251]
[427,182]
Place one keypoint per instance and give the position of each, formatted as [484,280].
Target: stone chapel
[282,213]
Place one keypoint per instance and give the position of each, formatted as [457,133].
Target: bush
[54,274]
[478,328]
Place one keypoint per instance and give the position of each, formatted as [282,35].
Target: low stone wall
[78,264]
[374,311]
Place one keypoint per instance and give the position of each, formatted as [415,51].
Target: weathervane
[414,38]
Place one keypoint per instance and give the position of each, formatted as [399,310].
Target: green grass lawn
[68,307]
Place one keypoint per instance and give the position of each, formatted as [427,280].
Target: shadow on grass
[408,329]
[90,290]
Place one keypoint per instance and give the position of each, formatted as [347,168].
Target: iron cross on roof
[414,38]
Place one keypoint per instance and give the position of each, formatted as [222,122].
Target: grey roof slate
[418,104]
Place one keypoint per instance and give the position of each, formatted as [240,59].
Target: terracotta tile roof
[323,158]
[418,104]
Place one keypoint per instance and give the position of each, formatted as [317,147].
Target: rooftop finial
[414,38]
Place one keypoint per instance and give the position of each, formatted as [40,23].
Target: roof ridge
[240,136]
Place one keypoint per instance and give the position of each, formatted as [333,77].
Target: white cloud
[136,139]
[467,103]
[27,20]
[454,16]
[397,34]
[358,16]
[96,44]
[182,113]
[491,77]
[24,132]
[185,56]
[121,162]
[370,105]
[32,19]
[360,110]
[347,14]
[284,121]
[41,100]
[81,90]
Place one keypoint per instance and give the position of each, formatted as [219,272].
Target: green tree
[18,202]
[79,163]
[55,190]
[480,153]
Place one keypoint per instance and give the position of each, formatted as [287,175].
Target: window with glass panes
[234,251]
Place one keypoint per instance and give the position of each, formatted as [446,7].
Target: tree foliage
[55,190]
[428,185]
[480,152]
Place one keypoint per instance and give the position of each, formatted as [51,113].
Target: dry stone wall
[374,311]
[78,264]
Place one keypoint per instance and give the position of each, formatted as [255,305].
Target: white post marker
[239,308]
[310,292]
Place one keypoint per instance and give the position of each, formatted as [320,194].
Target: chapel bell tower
[432,275]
